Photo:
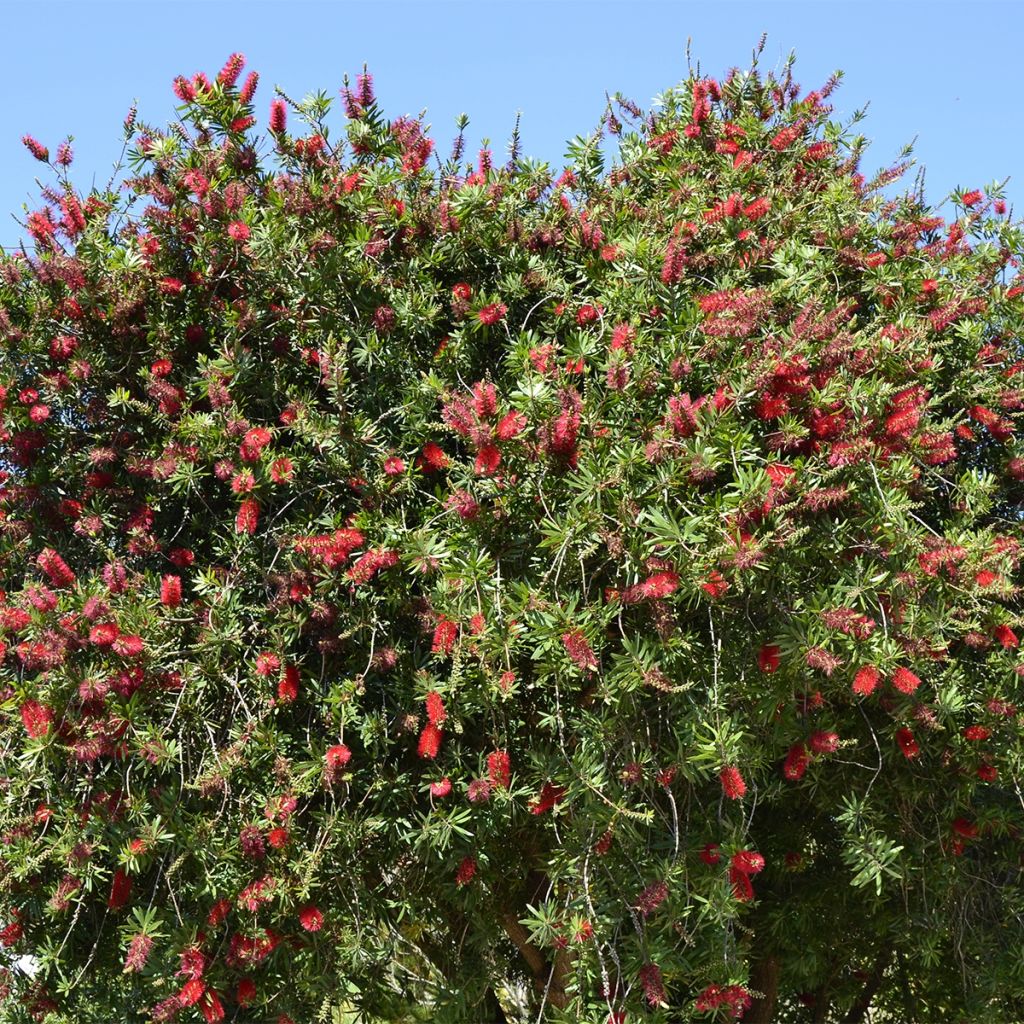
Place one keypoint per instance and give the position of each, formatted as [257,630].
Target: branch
[541,970]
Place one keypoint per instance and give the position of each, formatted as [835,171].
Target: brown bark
[538,964]
[764,990]
[821,1005]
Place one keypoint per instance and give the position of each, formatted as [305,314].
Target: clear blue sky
[947,73]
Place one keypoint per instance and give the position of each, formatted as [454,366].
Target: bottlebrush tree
[482,593]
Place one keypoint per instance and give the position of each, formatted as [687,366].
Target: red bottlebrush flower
[786,137]
[491,314]
[747,862]
[549,795]
[11,934]
[462,292]
[965,827]
[384,319]
[768,658]
[795,765]
[245,993]
[586,314]
[604,843]
[253,443]
[138,953]
[653,986]
[191,992]
[370,564]
[907,743]
[758,208]
[622,338]
[171,285]
[239,231]
[445,634]
[441,788]
[74,224]
[822,660]
[37,719]
[466,871]
[430,741]
[218,912]
[278,116]
[364,89]
[479,791]
[579,650]
[57,570]
[866,679]
[37,149]
[735,998]
[120,890]
[716,585]
[433,459]
[281,470]
[311,919]
[181,557]
[231,70]
[986,578]
[651,898]
[660,585]
[250,839]
[824,742]
[988,773]
[248,89]
[499,769]
[212,1008]
[436,713]
[509,426]
[663,143]
[278,838]
[183,89]
[710,855]
[288,685]
[1006,636]
[487,460]
[904,680]
[248,516]
[268,664]
[733,785]
[974,733]
[972,198]
[337,756]
[170,591]
[193,962]
[393,466]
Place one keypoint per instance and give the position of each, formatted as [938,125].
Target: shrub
[583,597]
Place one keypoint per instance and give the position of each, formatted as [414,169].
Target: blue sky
[946,73]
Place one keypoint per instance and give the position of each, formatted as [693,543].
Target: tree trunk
[546,976]
[822,1001]
[859,1010]
[491,1010]
[909,1002]
[764,986]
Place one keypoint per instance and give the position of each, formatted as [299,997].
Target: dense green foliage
[586,597]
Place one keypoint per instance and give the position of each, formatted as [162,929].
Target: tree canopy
[473,591]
